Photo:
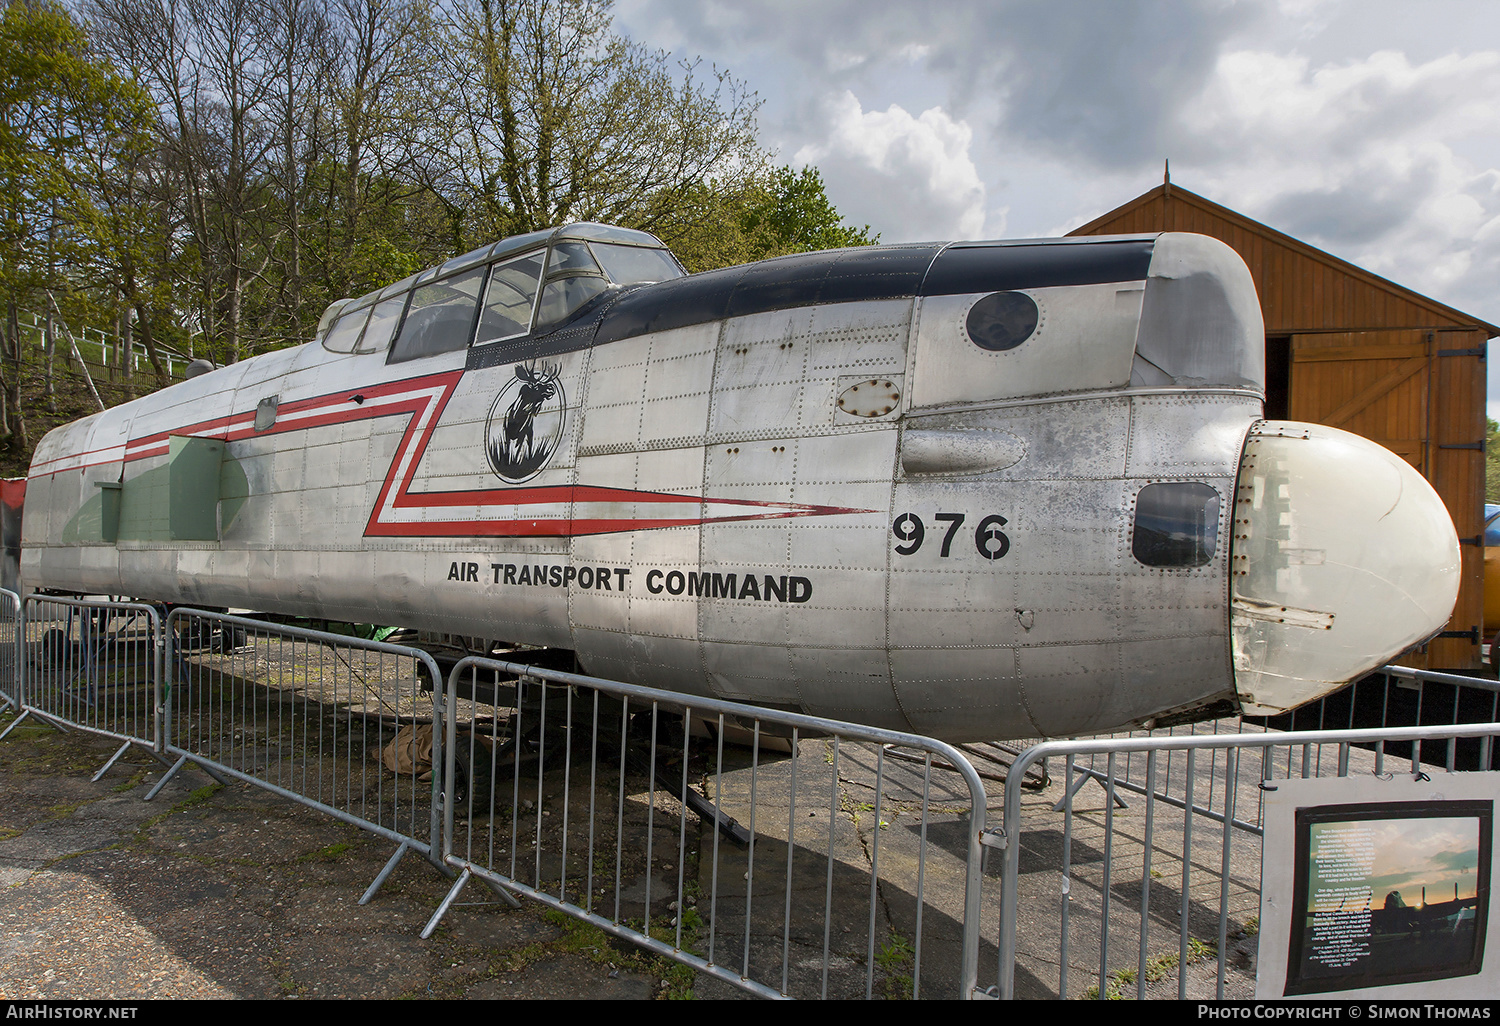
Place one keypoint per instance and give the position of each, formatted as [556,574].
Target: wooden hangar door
[1420,393]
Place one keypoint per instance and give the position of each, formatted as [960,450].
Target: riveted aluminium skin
[706,518]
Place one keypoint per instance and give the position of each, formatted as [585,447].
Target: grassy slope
[72,401]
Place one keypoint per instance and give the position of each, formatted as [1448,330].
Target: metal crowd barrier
[330,721]
[1399,696]
[1093,872]
[1393,696]
[11,655]
[783,854]
[92,665]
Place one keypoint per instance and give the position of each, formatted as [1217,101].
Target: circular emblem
[525,424]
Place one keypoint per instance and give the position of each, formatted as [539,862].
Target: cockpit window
[570,256]
[509,300]
[473,302]
[345,331]
[564,295]
[627,265]
[383,321]
[440,318]
[1176,524]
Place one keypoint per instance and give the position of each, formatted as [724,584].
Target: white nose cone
[1342,557]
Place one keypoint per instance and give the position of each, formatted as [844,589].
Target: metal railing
[1126,899]
[1400,696]
[783,854]
[321,719]
[91,665]
[1393,696]
[11,650]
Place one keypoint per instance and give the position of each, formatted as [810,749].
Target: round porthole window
[1002,320]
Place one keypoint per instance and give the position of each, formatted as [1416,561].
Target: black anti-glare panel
[893,272]
[780,284]
[840,276]
[670,304]
[961,270]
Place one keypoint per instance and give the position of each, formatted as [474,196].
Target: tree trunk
[149,340]
[49,352]
[18,442]
[127,345]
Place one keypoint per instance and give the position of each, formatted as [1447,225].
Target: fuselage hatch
[973,490]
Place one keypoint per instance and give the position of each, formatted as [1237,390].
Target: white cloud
[912,177]
[1365,157]
[1366,127]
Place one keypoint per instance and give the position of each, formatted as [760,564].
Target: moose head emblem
[526,422]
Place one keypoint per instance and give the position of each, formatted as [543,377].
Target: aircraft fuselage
[974,491]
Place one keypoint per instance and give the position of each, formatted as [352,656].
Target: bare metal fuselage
[800,483]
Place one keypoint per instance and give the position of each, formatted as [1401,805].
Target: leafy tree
[778,212]
[68,124]
[793,215]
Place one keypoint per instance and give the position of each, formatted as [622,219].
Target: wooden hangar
[1350,349]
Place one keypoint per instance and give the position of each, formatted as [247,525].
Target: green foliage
[1491,461]
[794,216]
[1158,968]
[70,130]
[778,212]
[897,961]
[73,133]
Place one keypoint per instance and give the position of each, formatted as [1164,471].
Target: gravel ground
[213,891]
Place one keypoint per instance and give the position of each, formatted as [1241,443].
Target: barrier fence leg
[166,777]
[448,899]
[452,896]
[61,727]
[112,760]
[380,877]
[509,898]
[173,772]
[15,723]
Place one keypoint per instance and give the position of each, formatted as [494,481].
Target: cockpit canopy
[515,287]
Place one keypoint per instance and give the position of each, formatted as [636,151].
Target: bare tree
[549,116]
[377,111]
[210,66]
[300,69]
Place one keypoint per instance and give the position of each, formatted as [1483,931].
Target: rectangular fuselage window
[1176,524]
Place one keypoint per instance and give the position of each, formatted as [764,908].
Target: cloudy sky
[1369,128]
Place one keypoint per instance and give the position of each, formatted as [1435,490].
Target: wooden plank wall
[1394,387]
[1300,289]
[1366,358]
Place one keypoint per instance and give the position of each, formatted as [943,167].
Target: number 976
[989,540]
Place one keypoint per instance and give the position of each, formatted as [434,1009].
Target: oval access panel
[873,398]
